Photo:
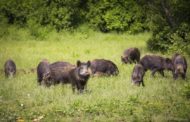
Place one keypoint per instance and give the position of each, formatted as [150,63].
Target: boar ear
[88,63]
[78,63]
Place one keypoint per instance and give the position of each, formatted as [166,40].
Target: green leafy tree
[169,21]
[115,15]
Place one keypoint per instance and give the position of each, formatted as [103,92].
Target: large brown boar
[101,67]
[43,73]
[180,66]
[79,76]
[60,72]
[138,75]
[131,55]
[156,64]
[10,68]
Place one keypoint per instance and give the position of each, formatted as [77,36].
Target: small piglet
[10,68]
[131,55]
[103,67]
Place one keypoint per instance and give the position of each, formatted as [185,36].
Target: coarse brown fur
[131,55]
[138,75]
[43,70]
[180,66]
[104,67]
[10,68]
[156,64]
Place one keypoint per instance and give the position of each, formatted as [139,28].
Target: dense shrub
[177,40]
[57,13]
[181,39]
[170,26]
[63,14]
[116,15]
[16,11]
[171,40]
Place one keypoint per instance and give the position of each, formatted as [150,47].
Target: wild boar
[60,72]
[79,76]
[138,75]
[43,71]
[156,64]
[10,68]
[180,66]
[131,55]
[101,67]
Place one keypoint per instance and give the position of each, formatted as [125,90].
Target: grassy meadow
[110,98]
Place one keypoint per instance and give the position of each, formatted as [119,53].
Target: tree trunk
[167,14]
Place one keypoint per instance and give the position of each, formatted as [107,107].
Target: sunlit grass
[109,99]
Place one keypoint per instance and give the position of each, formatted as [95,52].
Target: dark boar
[180,66]
[79,76]
[131,55]
[103,67]
[138,75]
[43,71]
[60,72]
[156,64]
[10,68]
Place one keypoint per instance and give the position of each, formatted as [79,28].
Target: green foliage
[16,11]
[170,25]
[63,14]
[177,40]
[57,13]
[181,39]
[37,31]
[158,41]
[104,15]
[116,15]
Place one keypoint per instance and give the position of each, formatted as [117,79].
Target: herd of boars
[77,75]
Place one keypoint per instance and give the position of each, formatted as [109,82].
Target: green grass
[110,99]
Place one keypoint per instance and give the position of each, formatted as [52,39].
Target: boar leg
[142,83]
[161,72]
[175,76]
[85,88]
[183,76]
[80,87]
[73,87]
[153,72]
